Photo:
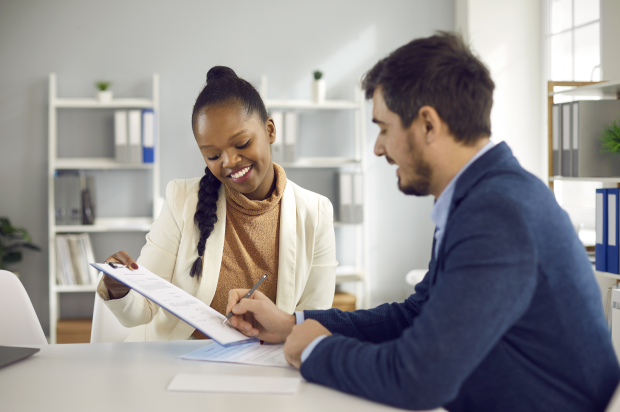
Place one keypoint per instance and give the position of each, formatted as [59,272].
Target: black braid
[205,216]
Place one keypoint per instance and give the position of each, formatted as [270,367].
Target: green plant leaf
[610,139]
[12,257]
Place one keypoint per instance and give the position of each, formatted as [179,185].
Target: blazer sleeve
[380,324]
[486,284]
[158,255]
[321,284]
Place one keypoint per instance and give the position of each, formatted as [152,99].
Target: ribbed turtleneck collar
[239,202]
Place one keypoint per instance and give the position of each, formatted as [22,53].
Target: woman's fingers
[124,258]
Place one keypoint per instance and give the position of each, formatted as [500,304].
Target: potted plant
[12,241]
[318,87]
[610,139]
[104,95]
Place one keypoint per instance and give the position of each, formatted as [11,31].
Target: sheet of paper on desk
[178,302]
[190,382]
[250,354]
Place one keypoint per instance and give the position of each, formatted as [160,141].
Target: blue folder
[148,135]
[612,230]
[601,230]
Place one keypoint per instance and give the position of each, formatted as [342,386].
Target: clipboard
[175,300]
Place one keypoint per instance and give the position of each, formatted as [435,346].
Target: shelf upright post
[51,159]
[156,185]
[365,257]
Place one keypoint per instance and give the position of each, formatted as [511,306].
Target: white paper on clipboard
[178,302]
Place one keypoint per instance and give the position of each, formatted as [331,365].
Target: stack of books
[74,253]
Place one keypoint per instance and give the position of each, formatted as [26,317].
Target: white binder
[120,136]
[358,198]
[346,197]
[135,136]
[290,137]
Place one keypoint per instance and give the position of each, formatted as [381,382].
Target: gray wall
[126,42]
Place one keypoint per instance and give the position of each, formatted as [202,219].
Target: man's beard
[423,172]
[420,186]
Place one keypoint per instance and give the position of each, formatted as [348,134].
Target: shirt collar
[442,205]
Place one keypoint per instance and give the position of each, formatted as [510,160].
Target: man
[509,316]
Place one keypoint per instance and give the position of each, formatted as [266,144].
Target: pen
[247,295]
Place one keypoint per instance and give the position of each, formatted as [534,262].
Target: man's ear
[431,122]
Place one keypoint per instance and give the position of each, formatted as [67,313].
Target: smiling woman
[212,237]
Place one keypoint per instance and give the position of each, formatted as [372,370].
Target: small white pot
[318,91]
[104,96]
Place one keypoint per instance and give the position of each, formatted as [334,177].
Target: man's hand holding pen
[258,316]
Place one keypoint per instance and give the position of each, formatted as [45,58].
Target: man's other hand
[301,336]
[258,316]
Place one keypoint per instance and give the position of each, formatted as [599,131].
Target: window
[574,39]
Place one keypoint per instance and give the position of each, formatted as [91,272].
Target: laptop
[12,354]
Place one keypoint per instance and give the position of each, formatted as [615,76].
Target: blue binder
[612,230]
[601,230]
[148,136]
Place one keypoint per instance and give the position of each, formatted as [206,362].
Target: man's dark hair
[439,71]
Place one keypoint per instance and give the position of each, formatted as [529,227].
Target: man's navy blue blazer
[508,318]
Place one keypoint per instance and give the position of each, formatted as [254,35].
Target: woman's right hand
[116,289]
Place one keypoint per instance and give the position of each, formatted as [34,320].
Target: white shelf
[75,288]
[321,162]
[584,179]
[605,90]
[69,103]
[115,224]
[307,104]
[340,224]
[607,275]
[103,163]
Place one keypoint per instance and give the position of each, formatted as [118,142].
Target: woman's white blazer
[306,267]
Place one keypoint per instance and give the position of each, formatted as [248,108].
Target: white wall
[508,37]
[610,40]
[126,42]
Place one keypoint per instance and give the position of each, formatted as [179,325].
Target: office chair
[106,328]
[614,404]
[18,321]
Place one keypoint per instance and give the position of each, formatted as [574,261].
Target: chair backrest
[18,321]
[106,328]
[614,404]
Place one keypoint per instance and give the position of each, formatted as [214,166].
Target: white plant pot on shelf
[104,96]
[318,91]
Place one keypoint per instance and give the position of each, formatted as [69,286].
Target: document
[178,302]
[262,385]
[250,354]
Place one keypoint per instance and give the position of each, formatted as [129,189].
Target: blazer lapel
[288,246]
[213,252]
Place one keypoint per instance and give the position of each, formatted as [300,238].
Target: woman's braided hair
[223,88]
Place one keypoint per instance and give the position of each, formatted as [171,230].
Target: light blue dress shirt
[441,209]
[439,214]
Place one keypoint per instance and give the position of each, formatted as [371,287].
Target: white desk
[114,377]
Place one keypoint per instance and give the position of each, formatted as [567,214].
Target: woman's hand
[258,316]
[116,289]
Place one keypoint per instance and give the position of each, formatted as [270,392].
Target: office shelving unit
[357,273]
[603,90]
[116,224]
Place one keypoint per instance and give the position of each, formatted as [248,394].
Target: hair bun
[217,72]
